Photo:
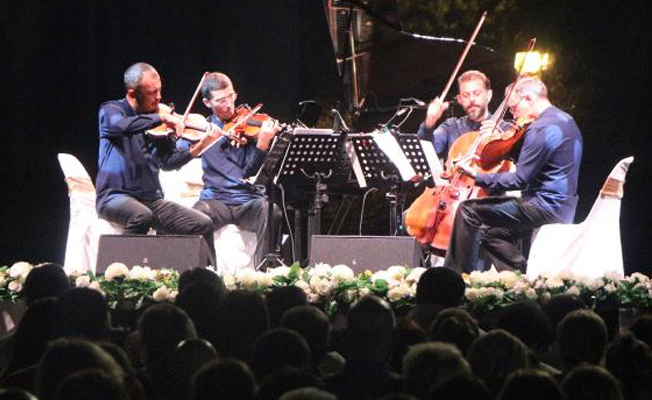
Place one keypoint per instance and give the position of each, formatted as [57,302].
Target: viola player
[128,190]
[547,170]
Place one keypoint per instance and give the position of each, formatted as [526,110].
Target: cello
[431,216]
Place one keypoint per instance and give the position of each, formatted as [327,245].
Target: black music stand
[315,158]
[379,170]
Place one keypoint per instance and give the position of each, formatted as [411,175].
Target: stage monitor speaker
[366,252]
[154,251]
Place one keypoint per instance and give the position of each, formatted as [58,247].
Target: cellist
[474,96]
[547,170]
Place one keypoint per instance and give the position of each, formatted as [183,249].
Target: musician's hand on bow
[464,167]
[435,110]
[489,127]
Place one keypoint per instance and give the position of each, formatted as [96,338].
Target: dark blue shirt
[547,168]
[225,168]
[128,162]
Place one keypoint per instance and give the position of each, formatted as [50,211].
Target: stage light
[535,62]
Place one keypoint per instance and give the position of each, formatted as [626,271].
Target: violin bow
[503,107]
[463,57]
[194,97]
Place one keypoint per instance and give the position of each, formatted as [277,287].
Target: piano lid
[380,64]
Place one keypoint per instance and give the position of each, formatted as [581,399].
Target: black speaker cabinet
[366,252]
[174,252]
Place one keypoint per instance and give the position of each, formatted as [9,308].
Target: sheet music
[436,168]
[388,144]
[355,164]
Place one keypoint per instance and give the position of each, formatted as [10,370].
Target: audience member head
[16,394]
[160,329]
[428,364]
[242,316]
[370,329]
[187,358]
[281,299]
[559,306]
[223,380]
[200,274]
[64,357]
[642,329]
[308,393]
[398,396]
[279,348]
[45,280]
[495,355]
[83,312]
[527,321]
[630,361]
[313,325]
[34,331]
[590,382]
[531,384]
[406,334]
[581,337]
[200,300]
[442,286]
[91,384]
[455,325]
[461,386]
[284,380]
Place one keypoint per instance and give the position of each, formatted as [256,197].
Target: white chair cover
[591,248]
[85,227]
[234,248]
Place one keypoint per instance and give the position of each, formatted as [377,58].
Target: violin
[195,126]
[246,122]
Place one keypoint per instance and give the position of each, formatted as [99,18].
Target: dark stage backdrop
[60,59]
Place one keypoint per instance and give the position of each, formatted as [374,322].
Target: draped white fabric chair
[85,227]
[591,248]
[234,248]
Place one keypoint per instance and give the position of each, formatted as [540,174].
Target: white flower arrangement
[338,286]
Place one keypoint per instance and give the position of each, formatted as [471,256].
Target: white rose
[398,292]
[364,291]
[161,294]
[15,286]
[397,272]
[20,269]
[471,294]
[264,279]
[312,298]
[594,284]
[509,278]
[82,281]
[246,277]
[3,280]
[320,286]
[574,290]
[173,295]
[95,285]
[610,288]
[116,270]
[303,285]
[320,269]
[637,276]
[229,281]
[497,293]
[342,273]
[142,273]
[566,275]
[415,274]
[279,271]
[384,275]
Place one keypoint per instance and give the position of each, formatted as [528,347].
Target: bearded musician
[547,170]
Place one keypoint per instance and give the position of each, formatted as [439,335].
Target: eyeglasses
[222,101]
